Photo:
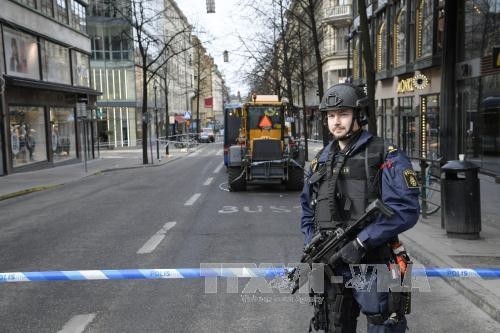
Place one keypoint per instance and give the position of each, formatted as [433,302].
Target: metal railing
[430,185]
[337,12]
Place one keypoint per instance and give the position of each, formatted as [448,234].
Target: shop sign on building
[405,86]
[81,110]
[468,69]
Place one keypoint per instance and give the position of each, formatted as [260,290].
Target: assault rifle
[324,245]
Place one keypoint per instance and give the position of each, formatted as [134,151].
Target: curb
[473,291]
[28,191]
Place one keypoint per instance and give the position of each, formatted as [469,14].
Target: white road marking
[154,241]
[78,323]
[218,168]
[191,200]
[220,152]
[208,181]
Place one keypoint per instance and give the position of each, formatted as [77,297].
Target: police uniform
[370,169]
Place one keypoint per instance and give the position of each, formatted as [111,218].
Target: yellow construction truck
[263,152]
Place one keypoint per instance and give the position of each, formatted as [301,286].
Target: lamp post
[156,125]
[348,38]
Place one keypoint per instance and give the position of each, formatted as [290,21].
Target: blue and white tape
[195,273]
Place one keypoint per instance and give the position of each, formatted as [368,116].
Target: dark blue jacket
[395,193]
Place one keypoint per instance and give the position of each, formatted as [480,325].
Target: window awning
[35,84]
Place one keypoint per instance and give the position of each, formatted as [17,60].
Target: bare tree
[147,17]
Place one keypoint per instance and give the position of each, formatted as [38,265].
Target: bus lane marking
[156,239]
[77,324]
[192,200]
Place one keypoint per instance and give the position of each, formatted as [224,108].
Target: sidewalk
[429,244]
[27,182]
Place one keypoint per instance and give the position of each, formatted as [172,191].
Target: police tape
[195,273]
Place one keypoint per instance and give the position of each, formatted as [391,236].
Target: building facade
[113,74]
[45,84]
[437,80]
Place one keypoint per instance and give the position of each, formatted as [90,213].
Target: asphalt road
[107,222]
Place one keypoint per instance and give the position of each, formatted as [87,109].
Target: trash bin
[460,199]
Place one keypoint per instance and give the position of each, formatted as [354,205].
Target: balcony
[337,13]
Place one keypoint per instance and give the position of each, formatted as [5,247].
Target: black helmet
[346,95]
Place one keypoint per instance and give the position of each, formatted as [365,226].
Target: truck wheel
[295,180]
[235,184]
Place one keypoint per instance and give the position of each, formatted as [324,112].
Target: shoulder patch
[314,165]
[391,149]
[410,178]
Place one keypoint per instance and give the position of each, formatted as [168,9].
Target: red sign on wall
[209,102]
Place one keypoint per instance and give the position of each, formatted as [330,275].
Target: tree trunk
[369,65]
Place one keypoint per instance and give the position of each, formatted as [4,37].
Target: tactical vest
[357,185]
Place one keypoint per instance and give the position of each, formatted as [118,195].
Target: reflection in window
[29,3]
[424,28]
[78,19]
[62,11]
[27,135]
[381,47]
[47,7]
[55,59]
[400,39]
[257,113]
[80,69]
[481,28]
[63,139]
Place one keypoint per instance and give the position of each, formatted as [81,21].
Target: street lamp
[156,124]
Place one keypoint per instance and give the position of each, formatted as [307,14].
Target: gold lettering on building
[405,86]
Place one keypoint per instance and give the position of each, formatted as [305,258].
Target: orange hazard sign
[265,122]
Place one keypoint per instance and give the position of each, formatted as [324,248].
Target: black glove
[351,253]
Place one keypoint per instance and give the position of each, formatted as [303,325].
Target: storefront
[43,83]
[408,112]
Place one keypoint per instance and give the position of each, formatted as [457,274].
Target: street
[107,221]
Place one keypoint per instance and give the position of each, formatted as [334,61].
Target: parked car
[207,132]
[204,137]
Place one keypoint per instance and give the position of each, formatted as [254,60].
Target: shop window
[388,129]
[21,54]
[27,135]
[63,138]
[81,69]
[55,63]
[408,120]
[424,26]
[400,39]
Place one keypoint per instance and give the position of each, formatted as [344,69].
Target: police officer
[354,169]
